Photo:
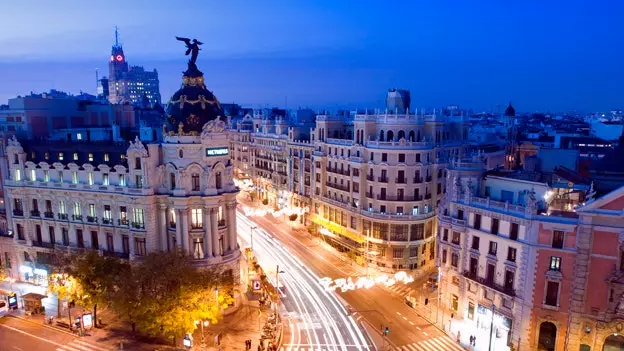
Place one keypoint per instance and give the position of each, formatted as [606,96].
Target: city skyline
[335,56]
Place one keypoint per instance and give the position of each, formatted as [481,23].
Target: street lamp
[277,298]
[203,324]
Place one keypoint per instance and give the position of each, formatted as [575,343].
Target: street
[21,335]
[378,306]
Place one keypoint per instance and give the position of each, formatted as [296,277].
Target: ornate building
[128,200]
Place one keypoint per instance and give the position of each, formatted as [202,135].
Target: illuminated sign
[13,301]
[87,320]
[218,151]
[256,285]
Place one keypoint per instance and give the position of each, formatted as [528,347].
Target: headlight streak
[301,281]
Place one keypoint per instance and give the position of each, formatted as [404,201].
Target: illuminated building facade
[534,256]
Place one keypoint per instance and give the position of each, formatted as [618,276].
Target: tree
[169,302]
[4,274]
[95,276]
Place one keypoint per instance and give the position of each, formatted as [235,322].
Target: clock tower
[117,69]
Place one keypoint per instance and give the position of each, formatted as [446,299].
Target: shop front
[480,324]
[37,276]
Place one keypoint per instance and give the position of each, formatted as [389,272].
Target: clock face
[112,58]
[119,58]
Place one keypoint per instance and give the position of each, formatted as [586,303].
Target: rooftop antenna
[97,78]
[116,37]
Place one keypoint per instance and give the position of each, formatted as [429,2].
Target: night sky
[542,55]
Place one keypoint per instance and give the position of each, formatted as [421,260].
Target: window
[424,248]
[125,244]
[139,247]
[137,163]
[195,181]
[107,212]
[456,238]
[397,252]
[74,177]
[76,208]
[444,256]
[172,181]
[60,156]
[513,231]
[79,238]
[477,221]
[511,254]
[46,176]
[353,223]
[475,243]
[33,175]
[110,243]
[105,180]
[95,242]
[75,156]
[18,174]
[196,218]
[139,219]
[493,248]
[198,248]
[445,234]
[65,235]
[454,260]
[92,210]
[62,209]
[413,251]
[78,136]
[90,178]
[60,176]
[384,157]
[557,241]
[139,181]
[552,293]
[106,157]
[52,234]
[90,157]
[122,180]
[495,223]
[46,155]
[218,180]
[401,157]
[555,264]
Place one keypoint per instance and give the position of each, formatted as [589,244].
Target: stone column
[207,234]
[215,231]
[164,242]
[231,225]
[184,230]
[178,228]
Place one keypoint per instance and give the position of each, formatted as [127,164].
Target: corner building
[125,199]
[377,178]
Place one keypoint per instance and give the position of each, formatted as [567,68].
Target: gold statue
[181,129]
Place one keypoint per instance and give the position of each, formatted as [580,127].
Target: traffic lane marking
[34,336]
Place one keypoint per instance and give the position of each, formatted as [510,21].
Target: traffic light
[387,331]
[426,300]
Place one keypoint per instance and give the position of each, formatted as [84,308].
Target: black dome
[510,111]
[193,105]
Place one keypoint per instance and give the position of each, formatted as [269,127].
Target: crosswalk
[79,345]
[442,343]
[403,290]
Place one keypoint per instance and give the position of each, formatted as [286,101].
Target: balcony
[35,213]
[382,179]
[369,195]
[398,198]
[172,224]
[18,213]
[401,180]
[5,234]
[490,284]
[92,219]
[427,196]
[62,216]
[428,179]
[138,225]
[123,221]
[48,214]
[370,178]
[339,171]
[122,255]
[337,186]
[306,169]
[417,180]
[43,244]
[77,217]
[107,221]
[221,223]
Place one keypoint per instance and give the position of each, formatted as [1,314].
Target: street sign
[87,320]
[187,341]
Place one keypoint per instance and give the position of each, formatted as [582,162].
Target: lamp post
[277,298]
[491,328]
[439,294]
[202,324]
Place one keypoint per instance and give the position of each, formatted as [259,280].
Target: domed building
[131,198]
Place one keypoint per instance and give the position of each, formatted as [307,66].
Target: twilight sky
[542,55]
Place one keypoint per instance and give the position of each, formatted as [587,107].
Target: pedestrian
[474,341]
[458,336]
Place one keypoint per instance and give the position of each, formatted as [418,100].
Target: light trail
[325,323]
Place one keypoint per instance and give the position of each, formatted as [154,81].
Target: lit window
[18,174]
[46,155]
[75,156]
[62,207]
[196,218]
[105,179]
[555,263]
[33,175]
[122,180]
[106,157]
[46,176]
[78,136]
[77,208]
[60,156]
[90,178]
[139,219]
[90,157]
[75,177]
[92,210]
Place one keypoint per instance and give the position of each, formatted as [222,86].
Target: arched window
[390,135]
[381,135]
[218,180]
[614,342]
[181,153]
[401,135]
[412,136]
[547,336]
